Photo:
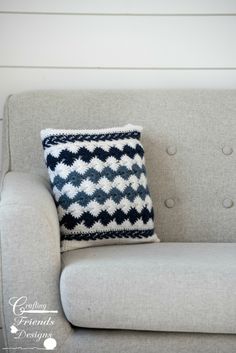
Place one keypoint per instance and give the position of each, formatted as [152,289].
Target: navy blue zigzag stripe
[68,157]
[56,139]
[94,176]
[88,220]
[113,234]
[101,197]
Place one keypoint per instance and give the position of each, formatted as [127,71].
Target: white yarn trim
[127,128]
[75,244]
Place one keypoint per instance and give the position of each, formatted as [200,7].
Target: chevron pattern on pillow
[100,187]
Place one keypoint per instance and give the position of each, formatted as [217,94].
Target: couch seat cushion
[187,287]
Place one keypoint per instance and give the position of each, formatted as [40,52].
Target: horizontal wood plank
[18,80]
[121,6]
[88,41]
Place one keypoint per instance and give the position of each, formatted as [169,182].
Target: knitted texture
[100,187]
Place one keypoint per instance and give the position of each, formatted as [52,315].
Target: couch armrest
[31,261]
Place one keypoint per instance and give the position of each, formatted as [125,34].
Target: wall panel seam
[117,14]
[132,68]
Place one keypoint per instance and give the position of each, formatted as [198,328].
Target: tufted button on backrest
[171,150]
[227,203]
[227,150]
[169,203]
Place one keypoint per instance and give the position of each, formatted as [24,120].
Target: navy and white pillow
[100,186]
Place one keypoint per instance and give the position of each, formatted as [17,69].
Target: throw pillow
[100,187]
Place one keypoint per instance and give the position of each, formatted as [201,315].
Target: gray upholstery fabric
[195,124]
[190,177]
[109,341]
[31,261]
[186,287]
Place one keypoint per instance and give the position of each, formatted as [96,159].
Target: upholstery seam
[4,328]
[6,146]
[68,336]
[9,150]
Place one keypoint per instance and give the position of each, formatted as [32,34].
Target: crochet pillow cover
[100,187]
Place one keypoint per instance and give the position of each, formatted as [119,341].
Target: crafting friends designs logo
[32,323]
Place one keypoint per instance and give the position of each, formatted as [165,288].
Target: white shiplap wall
[116,44]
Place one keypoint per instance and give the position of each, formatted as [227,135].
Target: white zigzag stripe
[104,184]
[81,167]
[90,146]
[110,206]
[112,226]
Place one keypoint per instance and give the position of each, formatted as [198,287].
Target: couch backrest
[189,139]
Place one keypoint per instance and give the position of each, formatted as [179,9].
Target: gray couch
[177,296]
